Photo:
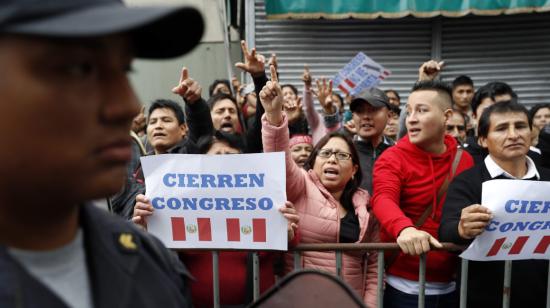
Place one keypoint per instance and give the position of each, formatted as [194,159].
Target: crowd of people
[360,169]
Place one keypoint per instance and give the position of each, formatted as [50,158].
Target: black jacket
[485,279]
[367,156]
[140,272]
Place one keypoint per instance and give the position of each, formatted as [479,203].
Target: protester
[331,206]
[300,147]
[504,129]
[392,127]
[371,112]
[68,96]
[410,182]
[166,125]
[456,126]
[167,133]
[463,93]
[487,95]
[393,98]
[540,116]
[236,269]
[225,114]
[297,122]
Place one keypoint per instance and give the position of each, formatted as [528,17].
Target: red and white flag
[236,229]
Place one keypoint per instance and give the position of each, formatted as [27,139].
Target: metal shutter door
[514,49]
[400,45]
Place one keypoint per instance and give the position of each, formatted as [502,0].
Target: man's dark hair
[536,108]
[434,85]
[491,90]
[221,96]
[462,80]
[501,107]
[217,82]
[233,140]
[353,184]
[394,92]
[166,103]
[293,88]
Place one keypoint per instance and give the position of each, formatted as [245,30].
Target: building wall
[155,79]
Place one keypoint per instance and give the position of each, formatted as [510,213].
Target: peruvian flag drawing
[520,228]
[237,229]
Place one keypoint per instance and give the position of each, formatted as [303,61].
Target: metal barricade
[380,248]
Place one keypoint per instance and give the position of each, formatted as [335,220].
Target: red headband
[297,139]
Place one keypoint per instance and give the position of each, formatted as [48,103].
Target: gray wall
[155,79]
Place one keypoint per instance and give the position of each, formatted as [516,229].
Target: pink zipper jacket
[320,220]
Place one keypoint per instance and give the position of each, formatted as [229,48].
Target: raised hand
[429,70]
[188,89]
[139,121]
[273,61]
[254,63]
[306,77]
[324,95]
[271,97]
[293,109]
[350,127]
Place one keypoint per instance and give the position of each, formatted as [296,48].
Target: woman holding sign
[331,206]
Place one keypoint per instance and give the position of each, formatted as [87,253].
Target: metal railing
[380,248]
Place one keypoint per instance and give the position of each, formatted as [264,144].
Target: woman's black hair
[233,140]
[352,185]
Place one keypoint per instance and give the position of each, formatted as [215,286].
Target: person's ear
[183,129]
[482,141]
[448,114]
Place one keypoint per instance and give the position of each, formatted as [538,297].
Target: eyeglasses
[326,153]
[459,127]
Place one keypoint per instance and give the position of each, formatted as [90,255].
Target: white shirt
[495,170]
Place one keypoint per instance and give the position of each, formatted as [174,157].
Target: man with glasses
[68,106]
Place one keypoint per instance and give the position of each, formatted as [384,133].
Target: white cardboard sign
[217,201]
[520,228]
[359,74]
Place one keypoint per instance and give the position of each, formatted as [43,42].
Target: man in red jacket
[410,181]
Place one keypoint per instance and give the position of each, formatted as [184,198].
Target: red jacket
[406,180]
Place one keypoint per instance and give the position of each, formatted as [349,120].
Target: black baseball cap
[373,96]
[157,32]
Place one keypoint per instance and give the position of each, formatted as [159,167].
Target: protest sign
[520,228]
[217,201]
[359,74]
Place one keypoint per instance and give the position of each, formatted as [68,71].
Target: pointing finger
[273,73]
[306,68]
[184,74]
[244,48]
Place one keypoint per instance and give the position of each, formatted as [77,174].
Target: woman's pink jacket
[320,220]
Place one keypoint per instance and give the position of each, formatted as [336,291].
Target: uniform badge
[126,240]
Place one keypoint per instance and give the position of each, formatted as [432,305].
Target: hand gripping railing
[338,248]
